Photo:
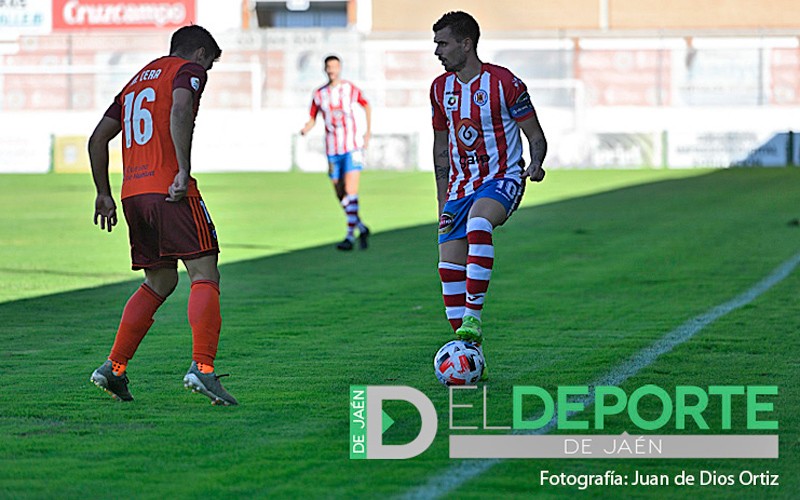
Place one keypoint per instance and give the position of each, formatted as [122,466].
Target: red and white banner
[122,14]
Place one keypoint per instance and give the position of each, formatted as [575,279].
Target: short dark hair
[332,58]
[190,38]
[461,24]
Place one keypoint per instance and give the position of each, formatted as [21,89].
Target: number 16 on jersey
[138,120]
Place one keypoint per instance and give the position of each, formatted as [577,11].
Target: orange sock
[205,320]
[137,317]
[117,368]
[204,368]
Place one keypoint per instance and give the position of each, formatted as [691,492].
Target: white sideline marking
[462,472]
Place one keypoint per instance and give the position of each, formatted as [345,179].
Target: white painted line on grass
[460,473]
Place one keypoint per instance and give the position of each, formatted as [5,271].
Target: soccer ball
[458,363]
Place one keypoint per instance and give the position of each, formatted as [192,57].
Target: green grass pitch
[595,266]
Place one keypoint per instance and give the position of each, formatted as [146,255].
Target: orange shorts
[161,232]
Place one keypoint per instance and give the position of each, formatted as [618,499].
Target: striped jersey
[336,104]
[481,117]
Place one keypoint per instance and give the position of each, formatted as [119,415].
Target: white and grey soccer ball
[458,363]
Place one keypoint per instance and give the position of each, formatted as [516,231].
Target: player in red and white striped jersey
[478,112]
[336,101]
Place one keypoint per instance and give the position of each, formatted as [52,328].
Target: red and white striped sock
[480,259]
[454,291]
[350,204]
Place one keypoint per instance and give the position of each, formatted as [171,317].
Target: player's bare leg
[489,209]
[203,268]
[338,189]
[454,251]
[206,322]
[352,180]
[162,281]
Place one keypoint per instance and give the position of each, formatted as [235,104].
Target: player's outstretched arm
[538,148]
[181,126]
[308,126]
[441,166]
[105,210]
[312,115]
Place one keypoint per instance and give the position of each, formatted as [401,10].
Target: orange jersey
[143,108]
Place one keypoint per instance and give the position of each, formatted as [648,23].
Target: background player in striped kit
[478,112]
[336,100]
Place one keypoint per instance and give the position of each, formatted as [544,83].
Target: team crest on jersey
[468,134]
[195,82]
[481,97]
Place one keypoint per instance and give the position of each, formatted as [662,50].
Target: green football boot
[470,330]
[116,386]
[208,384]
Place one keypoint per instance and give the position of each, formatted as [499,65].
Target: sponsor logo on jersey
[468,134]
[445,223]
[195,82]
[481,97]
[451,102]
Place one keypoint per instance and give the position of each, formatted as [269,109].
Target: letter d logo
[367,427]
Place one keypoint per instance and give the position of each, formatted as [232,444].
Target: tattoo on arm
[538,151]
[441,166]
[441,169]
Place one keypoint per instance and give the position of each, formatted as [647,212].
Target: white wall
[263,140]
[218,16]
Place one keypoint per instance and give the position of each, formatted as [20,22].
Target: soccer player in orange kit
[167,218]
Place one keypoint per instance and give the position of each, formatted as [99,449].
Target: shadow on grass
[308,289]
[300,327]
